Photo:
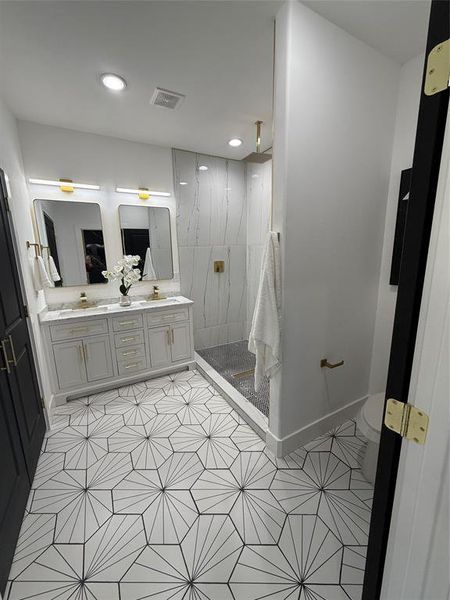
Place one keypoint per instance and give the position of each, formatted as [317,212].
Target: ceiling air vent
[166,98]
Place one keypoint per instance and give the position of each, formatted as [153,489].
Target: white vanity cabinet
[88,352]
[169,344]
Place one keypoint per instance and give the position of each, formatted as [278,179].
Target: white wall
[11,163]
[53,152]
[334,117]
[402,155]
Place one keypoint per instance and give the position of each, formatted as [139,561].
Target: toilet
[369,422]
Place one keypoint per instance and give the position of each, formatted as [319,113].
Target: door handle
[173,336]
[13,351]
[80,350]
[85,352]
[168,337]
[5,357]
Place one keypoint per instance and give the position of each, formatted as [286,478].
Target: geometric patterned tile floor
[160,491]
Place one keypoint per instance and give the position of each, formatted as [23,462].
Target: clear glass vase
[125,300]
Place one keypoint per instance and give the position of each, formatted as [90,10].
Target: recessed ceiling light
[183,182]
[113,82]
[235,142]
[203,168]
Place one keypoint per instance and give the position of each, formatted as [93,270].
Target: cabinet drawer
[127,322]
[130,353]
[132,365]
[167,316]
[130,338]
[78,329]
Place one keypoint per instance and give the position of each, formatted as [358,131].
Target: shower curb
[245,409]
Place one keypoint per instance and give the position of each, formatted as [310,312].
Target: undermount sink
[171,300]
[77,312]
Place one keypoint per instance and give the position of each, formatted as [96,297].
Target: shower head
[258,156]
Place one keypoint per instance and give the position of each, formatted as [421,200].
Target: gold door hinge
[438,69]
[407,420]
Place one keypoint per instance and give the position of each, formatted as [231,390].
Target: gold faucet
[83,301]
[156,294]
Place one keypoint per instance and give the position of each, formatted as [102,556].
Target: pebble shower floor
[160,491]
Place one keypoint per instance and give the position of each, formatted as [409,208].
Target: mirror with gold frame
[71,238]
[146,232]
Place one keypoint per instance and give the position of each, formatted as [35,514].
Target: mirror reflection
[146,232]
[71,234]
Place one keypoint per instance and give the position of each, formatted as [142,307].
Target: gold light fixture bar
[143,193]
[65,185]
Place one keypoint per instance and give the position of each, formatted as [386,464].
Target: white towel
[35,274]
[149,269]
[42,274]
[53,271]
[264,338]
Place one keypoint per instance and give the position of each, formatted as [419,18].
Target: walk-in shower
[223,214]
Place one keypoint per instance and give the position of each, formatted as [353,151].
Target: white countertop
[67,314]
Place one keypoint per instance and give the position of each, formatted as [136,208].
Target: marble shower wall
[212,225]
[259,202]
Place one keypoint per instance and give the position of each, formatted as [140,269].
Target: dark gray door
[22,424]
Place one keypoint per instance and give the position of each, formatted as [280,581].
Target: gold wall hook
[37,248]
[324,363]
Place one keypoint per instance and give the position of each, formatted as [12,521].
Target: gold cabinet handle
[168,337]
[128,339]
[173,336]
[130,353]
[80,350]
[127,322]
[132,365]
[13,351]
[79,330]
[85,352]
[324,363]
[5,357]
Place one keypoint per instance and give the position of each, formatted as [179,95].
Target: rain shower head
[258,156]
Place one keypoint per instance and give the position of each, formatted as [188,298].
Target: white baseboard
[301,437]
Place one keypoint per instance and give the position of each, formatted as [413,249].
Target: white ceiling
[218,53]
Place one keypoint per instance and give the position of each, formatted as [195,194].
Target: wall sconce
[65,185]
[143,193]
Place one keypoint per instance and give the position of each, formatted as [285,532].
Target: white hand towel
[53,271]
[44,279]
[35,274]
[149,269]
[264,338]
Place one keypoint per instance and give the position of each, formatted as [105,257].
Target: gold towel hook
[36,248]
[324,363]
